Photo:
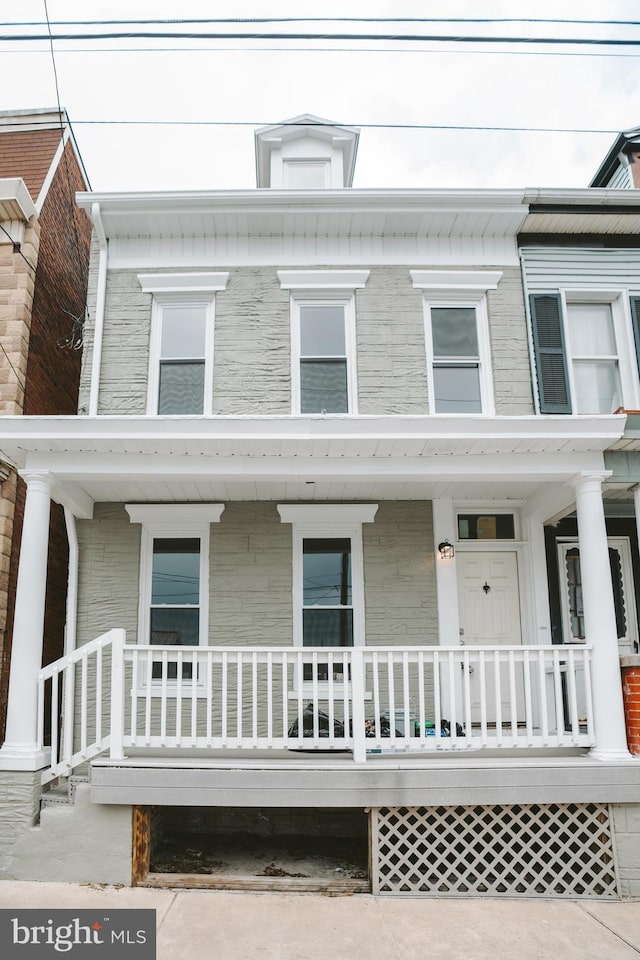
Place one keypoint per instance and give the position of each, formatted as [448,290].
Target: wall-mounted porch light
[446,551]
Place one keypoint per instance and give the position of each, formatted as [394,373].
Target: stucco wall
[109,554]
[510,346]
[391,359]
[251,575]
[252,354]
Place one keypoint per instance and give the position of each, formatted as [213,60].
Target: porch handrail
[115,696]
[77,678]
[393,697]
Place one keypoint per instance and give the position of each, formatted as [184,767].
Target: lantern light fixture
[446,551]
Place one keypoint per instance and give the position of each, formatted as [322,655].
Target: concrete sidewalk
[219,925]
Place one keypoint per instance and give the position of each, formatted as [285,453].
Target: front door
[489,604]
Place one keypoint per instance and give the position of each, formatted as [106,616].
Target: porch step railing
[74,697]
[366,700]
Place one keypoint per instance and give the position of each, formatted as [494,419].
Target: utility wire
[322,123]
[17,375]
[363,126]
[423,51]
[321,37]
[58,23]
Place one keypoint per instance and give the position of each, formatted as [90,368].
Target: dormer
[306,153]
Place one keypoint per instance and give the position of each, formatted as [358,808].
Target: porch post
[600,621]
[21,750]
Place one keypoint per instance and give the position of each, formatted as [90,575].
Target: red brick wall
[631,695]
[53,375]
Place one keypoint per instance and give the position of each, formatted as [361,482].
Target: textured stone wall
[250,585]
[510,346]
[19,809]
[626,819]
[400,585]
[250,577]
[252,351]
[109,552]
[391,359]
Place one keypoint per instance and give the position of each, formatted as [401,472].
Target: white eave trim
[17,199]
[448,281]
[178,513]
[327,513]
[322,279]
[183,282]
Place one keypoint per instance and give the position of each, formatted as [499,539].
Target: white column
[21,749]
[600,621]
[444,520]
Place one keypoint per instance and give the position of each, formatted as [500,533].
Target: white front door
[489,605]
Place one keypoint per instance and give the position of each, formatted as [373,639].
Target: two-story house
[44,260]
[312,481]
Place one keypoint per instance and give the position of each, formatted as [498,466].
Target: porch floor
[341,759]
[290,779]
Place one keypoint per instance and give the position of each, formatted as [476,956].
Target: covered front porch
[442,655]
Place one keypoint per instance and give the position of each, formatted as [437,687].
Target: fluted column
[600,621]
[21,749]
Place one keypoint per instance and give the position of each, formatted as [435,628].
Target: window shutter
[551,361]
[635,319]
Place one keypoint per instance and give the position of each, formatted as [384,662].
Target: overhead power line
[363,126]
[75,23]
[320,37]
[423,51]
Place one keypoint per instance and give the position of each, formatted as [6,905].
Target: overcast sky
[592,88]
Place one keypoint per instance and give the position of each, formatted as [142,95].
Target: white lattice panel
[543,849]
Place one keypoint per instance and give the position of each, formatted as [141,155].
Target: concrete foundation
[77,842]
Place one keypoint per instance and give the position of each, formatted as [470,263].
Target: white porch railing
[79,709]
[365,700]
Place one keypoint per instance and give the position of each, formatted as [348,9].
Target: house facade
[338,571]
[44,257]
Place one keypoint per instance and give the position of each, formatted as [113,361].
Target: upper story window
[584,347]
[457,339]
[325,383]
[181,344]
[182,365]
[456,360]
[323,339]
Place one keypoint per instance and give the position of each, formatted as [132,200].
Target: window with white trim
[457,343]
[173,607]
[594,357]
[586,350]
[180,379]
[183,334]
[324,365]
[328,576]
[323,339]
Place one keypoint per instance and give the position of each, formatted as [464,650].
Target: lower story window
[175,596]
[327,611]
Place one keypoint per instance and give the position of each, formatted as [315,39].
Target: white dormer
[306,153]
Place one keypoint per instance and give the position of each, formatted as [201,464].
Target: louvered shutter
[635,317]
[550,355]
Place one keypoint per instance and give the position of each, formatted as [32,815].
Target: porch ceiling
[158,459]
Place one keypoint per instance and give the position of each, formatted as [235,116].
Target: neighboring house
[44,258]
[323,515]
[621,166]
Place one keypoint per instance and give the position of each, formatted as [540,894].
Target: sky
[356,83]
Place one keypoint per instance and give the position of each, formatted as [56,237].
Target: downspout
[70,633]
[96,360]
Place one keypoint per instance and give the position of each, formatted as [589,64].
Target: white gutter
[98,331]
[70,633]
